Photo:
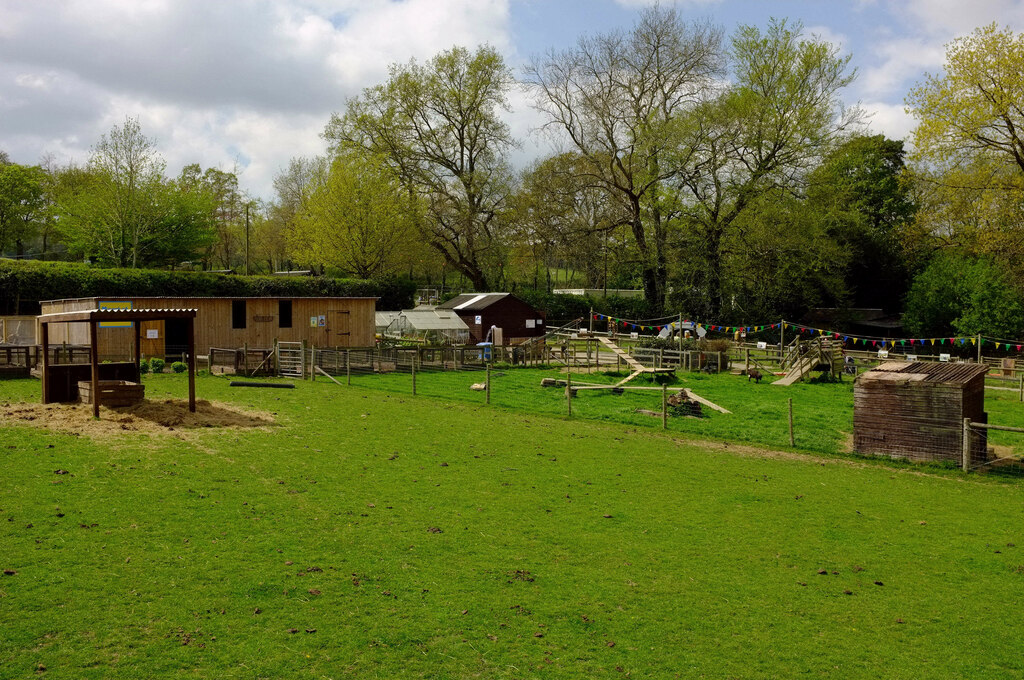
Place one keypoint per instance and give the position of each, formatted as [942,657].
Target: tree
[357,218]
[437,126]
[115,214]
[977,107]
[620,99]
[762,135]
[862,198]
[23,204]
[961,295]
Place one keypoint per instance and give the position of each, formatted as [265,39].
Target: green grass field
[369,533]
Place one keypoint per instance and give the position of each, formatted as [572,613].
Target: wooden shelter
[60,382]
[517,320]
[915,410]
[228,323]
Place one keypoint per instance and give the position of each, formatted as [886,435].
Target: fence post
[965,453]
[312,363]
[348,367]
[1020,388]
[664,406]
[277,357]
[245,358]
[979,348]
[568,391]
[488,386]
[746,361]
[719,363]
[792,439]
[414,373]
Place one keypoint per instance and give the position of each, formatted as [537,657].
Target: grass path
[434,538]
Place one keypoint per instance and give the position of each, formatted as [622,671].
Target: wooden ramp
[800,369]
[624,355]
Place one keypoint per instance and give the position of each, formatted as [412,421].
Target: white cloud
[213,82]
[890,120]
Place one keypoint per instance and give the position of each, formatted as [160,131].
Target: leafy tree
[862,198]
[763,135]
[437,125]
[620,100]
[23,204]
[356,218]
[962,295]
[114,214]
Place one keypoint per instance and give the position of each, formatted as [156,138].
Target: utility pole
[246,239]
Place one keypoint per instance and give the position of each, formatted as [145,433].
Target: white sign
[478,319]
[762,345]
[943,357]
[634,336]
[530,323]
[883,354]
[911,357]
[540,322]
[152,334]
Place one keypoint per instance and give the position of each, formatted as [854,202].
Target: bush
[179,367]
[157,365]
[143,367]
[23,284]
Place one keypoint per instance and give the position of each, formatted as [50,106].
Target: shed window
[238,313]
[284,313]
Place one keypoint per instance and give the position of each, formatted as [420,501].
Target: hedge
[23,284]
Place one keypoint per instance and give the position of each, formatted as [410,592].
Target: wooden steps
[800,369]
[622,354]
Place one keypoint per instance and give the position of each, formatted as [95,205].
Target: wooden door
[338,328]
[151,338]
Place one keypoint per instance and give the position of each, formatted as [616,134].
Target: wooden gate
[291,360]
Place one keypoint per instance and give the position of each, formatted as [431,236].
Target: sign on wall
[152,334]
[110,304]
[312,322]
[478,319]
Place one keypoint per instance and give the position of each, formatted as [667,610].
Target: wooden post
[979,348]
[277,357]
[664,406]
[94,360]
[45,327]
[1020,388]
[680,331]
[965,452]
[302,361]
[312,363]
[487,389]
[591,319]
[192,364]
[568,391]
[414,374]
[348,367]
[136,326]
[782,342]
[719,363]
[792,439]
[746,361]
[245,358]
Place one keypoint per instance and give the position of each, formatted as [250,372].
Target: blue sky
[247,84]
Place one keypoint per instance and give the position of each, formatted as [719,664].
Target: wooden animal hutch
[109,382]
[517,320]
[228,323]
[916,410]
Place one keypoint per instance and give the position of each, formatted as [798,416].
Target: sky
[245,85]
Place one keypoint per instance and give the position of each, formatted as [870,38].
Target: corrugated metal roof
[434,320]
[926,371]
[472,302]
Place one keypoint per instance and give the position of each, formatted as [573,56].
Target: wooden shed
[228,323]
[517,320]
[915,410]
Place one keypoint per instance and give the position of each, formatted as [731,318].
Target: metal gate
[291,360]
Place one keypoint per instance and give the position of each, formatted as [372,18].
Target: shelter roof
[434,320]
[925,371]
[473,302]
[117,315]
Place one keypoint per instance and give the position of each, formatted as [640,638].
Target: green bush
[143,367]
[157,365]
[179,367]
[23,284]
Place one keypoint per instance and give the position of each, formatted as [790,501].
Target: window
[238,313]
[284,313]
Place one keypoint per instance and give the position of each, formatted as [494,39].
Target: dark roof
[117,315]
[473,302]
[925,371]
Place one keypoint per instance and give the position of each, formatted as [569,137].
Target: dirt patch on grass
[169,416]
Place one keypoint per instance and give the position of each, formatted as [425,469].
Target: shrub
[179,367]
[157,364]
[143,367]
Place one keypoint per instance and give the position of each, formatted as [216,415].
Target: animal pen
[916,411]
[109,382]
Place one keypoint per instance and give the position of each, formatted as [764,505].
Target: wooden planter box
[112,392]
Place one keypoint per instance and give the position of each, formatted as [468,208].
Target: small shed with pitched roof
[517,320]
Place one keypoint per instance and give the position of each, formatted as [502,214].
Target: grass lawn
[434,537]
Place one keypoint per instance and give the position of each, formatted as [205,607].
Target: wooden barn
[516,320]
[915,410]
[228,323]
